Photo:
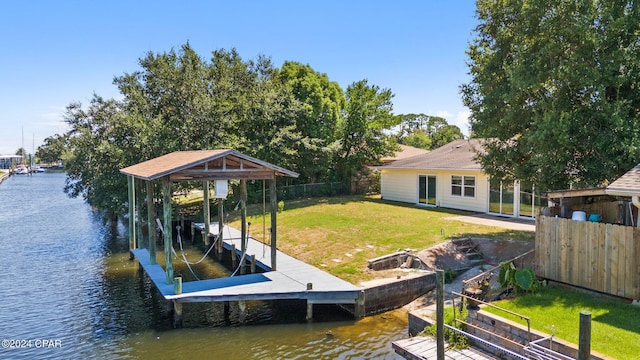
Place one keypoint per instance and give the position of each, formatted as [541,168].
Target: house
[450,177]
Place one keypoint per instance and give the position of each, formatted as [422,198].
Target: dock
[424,347]
[294,279]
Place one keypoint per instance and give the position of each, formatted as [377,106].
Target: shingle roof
[405,152]
[456,155]
[219,164]
[627,184]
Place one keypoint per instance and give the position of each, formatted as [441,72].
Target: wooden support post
[243,311]
[309,316]
[243,215]
[233,257]
[360,308]
[168,241]
[226,311]
[177,314]
[138,187]
[207,213]
[151,222]
[273,197]
[440,314]
[584,336]
[193,233]
[177,306]
[132,213]
[220,228]
[253,264]
[202,235]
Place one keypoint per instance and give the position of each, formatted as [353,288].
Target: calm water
[69,291]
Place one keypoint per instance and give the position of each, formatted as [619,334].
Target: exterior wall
[399,185]
[402,185]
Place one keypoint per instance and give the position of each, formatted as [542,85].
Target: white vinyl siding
[402,185]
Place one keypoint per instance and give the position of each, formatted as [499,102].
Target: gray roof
[626,185]
[456,155]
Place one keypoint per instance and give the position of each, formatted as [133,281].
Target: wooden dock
[424,347]
[290,281]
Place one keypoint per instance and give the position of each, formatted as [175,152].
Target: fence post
[584,339]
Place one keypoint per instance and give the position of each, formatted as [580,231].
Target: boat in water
[22,170]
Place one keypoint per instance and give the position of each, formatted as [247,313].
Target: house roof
[626,185]
[406,151]
[456,155]
[219,164]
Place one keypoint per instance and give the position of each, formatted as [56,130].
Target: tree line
[292,116]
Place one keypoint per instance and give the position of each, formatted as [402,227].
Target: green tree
[55,148]
[426,132]
[368,113]
[102,140]
[444,135]
[321,101]
[22,152]
[418,138]
[554,85]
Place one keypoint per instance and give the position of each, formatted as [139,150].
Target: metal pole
[440,314]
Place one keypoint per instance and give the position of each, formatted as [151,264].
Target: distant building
[9,161]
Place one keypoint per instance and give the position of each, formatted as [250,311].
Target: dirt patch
[447,256]
[443,256]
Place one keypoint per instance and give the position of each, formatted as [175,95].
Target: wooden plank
[600,267]
[563,248]
[542,226]
[552,253]
[574,239]
[424,347]
[635,264]
[584,258]
[624,276]
[592,255]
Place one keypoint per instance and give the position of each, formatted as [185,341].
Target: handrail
[487,343]
[465,282]
[527,319]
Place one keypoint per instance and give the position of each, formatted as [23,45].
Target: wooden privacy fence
[597,256]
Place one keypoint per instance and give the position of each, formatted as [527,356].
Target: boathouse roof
[218,164]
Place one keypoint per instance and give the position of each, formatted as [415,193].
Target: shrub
[453,338]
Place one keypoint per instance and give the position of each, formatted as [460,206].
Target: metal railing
[498,308]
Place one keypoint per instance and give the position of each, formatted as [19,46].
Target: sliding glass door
[427,189]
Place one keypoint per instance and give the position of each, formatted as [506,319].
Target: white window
[463,186]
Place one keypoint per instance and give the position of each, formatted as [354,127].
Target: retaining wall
[396,294]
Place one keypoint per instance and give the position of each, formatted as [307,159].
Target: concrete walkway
[497,221]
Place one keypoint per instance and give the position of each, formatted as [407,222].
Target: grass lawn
[339,234]
[615,324]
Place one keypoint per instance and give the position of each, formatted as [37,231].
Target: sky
[54,53]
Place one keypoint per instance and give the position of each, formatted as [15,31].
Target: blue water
[69,291]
